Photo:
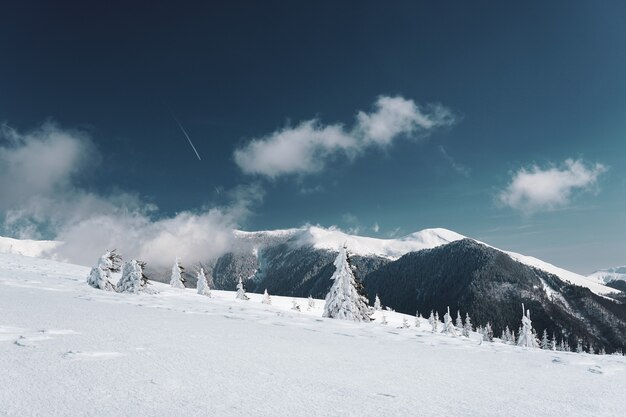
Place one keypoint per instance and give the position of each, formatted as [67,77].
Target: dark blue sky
[533,83]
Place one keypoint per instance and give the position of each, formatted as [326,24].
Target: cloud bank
[39,197]
[535,189]
[310,145]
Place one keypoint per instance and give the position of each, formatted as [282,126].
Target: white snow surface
[27,247]
[68,349]
[609,274]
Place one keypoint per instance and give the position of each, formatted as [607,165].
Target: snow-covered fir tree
[506,335]
[346,299]
[579,346]
[527,336]
[310,303]
[134,279]
[545,341]
[459,322]
[377,305]
[100,275]
[383,320]
[130,281]
[418,321]
[488,332]
[266,298]
[448,325]
[294,305]
[405,323]
[202,285]
[241,291]
[177,279]
[553,342]
[467,326]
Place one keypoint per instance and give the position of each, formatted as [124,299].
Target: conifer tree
[266,298]
[241,291]
[310,303]
[527,336]
[467,327]
[488,332]
[202,285]
[377,306]
[346,299]
[383,320]
[545,342]
[448,325]
[405,323]
[177,280]
[418,316]
[459,322]
[100,275]
[131,278]
[294,305]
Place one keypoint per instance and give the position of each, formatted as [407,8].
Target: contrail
[184,133]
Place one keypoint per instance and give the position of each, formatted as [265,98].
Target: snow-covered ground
[67,349]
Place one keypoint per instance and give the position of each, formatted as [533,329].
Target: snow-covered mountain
[247,257]
[68,349]
[604,276]
[330,239]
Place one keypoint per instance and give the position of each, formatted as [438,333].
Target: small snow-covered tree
[418,321]
[579,346]
[405,323]
[448,325]
[131,281]
[346,300]
[241,291]
[177,280]
[459,322]
[467,326]
[527,336]
[545,341]
[383,320]
[432,321]
[202,286]
[134,279]
[294,305]
[377,305]
[310,303]
[100,275]
[506,335]
[488,332]
[266,298]
[553,342]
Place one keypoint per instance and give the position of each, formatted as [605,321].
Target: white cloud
[309,146]
[38,196]
[302,149]
[41,162]
[535,189]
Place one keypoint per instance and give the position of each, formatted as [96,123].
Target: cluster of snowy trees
[346,300]
[133,279]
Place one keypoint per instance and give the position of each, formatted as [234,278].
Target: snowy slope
[26,247]
[68,349]
[609,274]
